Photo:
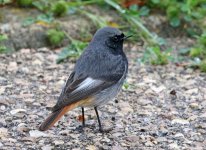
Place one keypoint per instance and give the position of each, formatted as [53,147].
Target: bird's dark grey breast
[101,65]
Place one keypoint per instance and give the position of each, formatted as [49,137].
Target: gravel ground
[163,108]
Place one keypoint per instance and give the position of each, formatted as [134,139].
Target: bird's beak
[126,37]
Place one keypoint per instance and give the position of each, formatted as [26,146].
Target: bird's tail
[55,116]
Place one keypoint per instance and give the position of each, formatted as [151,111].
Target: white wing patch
[88,83]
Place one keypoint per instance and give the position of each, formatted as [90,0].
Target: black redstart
[97,76]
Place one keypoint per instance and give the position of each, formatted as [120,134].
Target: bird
[97,77]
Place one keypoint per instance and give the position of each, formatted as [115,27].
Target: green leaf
[187,18]
[3,37]
[156,1]
[28,21]
[133,7]
[175,22]
[45,17]
[144,11]
[66,53]
[184,51]
[38,5]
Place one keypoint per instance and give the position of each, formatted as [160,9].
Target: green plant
[2,47]
[155,56]
[59,8]
[4,2]
[74,49]
[202,65]
[97,20]
[178,11]
[55,37]
[134,21]
[24,3]
[199,50]
[195,52]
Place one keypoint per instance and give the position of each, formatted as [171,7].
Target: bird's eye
[115,38]
[122,35]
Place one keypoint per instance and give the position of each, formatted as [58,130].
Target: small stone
[36,134]
[180,121]
[12,66]
[179,136]
[64,132]
[15,111]
[2,122]
[37,62]
[28,139]
[3,107]
[22,127]
[91,147]
[24,70]
[174,146]
[158,89]
[194,105]
[149,144]
[161,139]
[192,91]
[47,147]
[203,115]
[132,138]
[3,132]
[117,147]
[125,107]
[58,142]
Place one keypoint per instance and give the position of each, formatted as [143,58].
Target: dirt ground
[164,107]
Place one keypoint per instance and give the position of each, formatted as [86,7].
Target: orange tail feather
[55,116]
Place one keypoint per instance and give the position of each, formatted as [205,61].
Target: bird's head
[111,37]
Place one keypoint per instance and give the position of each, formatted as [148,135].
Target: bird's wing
[80,88]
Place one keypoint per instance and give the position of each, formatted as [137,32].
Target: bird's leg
[100,126]
[83,121]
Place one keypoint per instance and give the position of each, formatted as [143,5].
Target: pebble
[117,147]
[15,111]
[132,138]
[47,147]
[149,144]
[194,105]
[2,122]
[36,134]
[3,132]
[203,115]
[174,146]
[58,142]
[179,136]
[22,127]
[12,66]
[125,107]
[3,107]
[180,121]
[91,147]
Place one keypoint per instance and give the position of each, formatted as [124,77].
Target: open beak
[126,37]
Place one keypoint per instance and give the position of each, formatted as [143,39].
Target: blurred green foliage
[180,10]
[24,3]
[55,37]
[155,56]
[2,47]
[59,8]
[198,52]
[203,65]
